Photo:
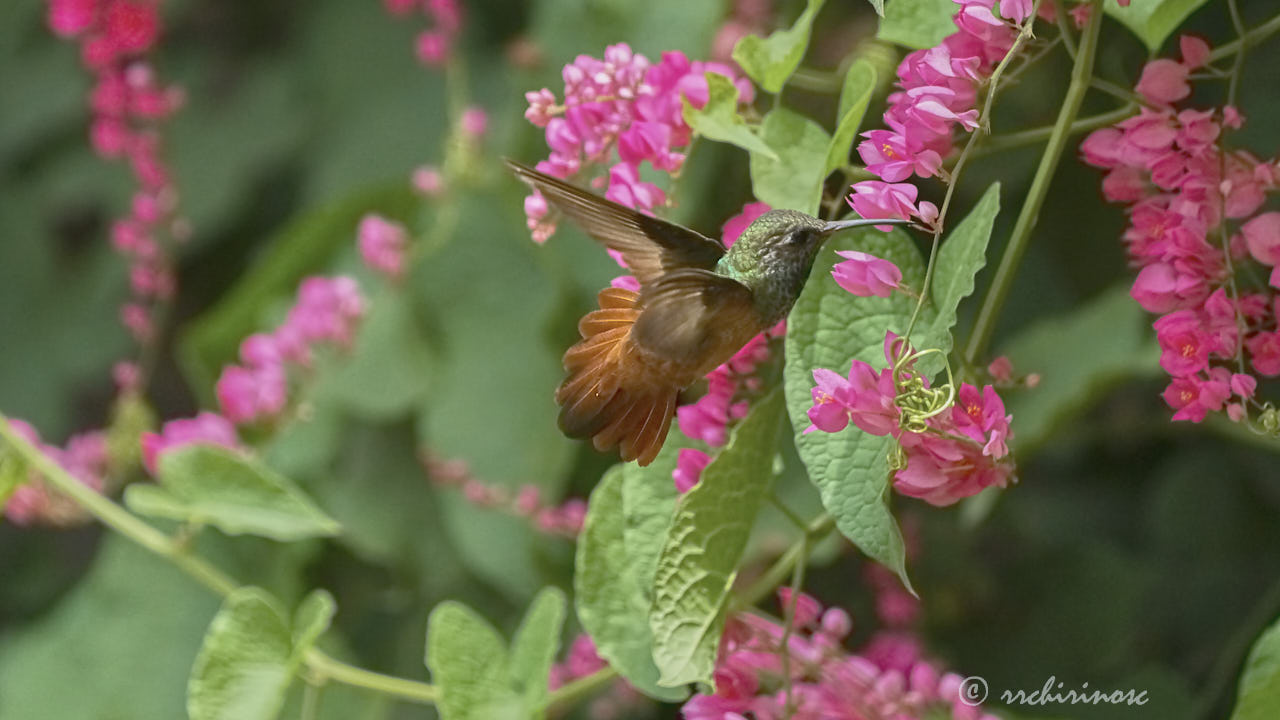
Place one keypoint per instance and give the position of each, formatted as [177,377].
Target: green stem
[1064,29]
[585,686]
[325,667]
[1081,72]
[135,529]
[777,573]
[1253,37]
[1040,134]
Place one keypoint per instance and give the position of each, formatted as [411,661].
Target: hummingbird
[698,305]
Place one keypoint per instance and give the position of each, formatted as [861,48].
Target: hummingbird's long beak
[836,226]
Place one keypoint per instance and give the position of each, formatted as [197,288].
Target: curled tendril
[1269,420]
[917,402]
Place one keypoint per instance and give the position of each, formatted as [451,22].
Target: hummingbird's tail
[608,395]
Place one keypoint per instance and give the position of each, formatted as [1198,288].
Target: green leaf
[246,662]
[917,24]
[1153,21]
[311,619]
[1258,697]
[217,486]
[859,85]
[124,635]
[388,374]
[827,328]
[305,246]
[13,471]
[770,61]
[1078,355]
[719,119]
[960,257]
[704,545]
[533,649]
[793,177]
[469,664]
[622,536]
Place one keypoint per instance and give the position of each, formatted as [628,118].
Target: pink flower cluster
[207,428]
[623,103]
[708,418]
[33,502]
[937,92]
[564,520]
[1184,193]
[826,681]
[327,312]
[962,450]
[129,104]
[435,46]
[382,244]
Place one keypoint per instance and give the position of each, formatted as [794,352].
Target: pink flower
[1262,235]
[889,155]
[474,121]
[689,466]
[428,180]
[866,275]
[626,188]
[1264,353]
[1193,397]
[734,226]
[131,26]
[204,429]
[873,199]
[1163,82]
[68,18]
[832,400]
[382,245]
[433,48]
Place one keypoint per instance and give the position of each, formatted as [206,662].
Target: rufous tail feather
[608,393]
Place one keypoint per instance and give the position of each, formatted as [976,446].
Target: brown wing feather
[650,246]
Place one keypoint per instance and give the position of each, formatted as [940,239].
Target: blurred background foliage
[1133,553]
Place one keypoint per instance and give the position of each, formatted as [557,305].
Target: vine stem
[984,126]
[582,687]
[130,526]
[1081,73]
[778,573]
[1252,37]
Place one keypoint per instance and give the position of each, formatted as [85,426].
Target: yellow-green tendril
[917,402]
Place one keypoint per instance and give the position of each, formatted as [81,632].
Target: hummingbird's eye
[798,237]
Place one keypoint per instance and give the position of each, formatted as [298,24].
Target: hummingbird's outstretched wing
[651,246]
[691,314]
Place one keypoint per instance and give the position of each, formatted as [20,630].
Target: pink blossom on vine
[428,180]
[622,105]
[690,463]
[433,46]
[33,502]
[1183,194]
[958,454]
[866,275]
[205,428]
[474,122]
[382,245]
[826,682]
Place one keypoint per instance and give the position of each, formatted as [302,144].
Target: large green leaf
[470,666]
[246,662]
[719,119]
[389,372]
[917,23]
[1258,697]
[770,61]
[792,177]
[123,638]
[961,256]
[827,328]
[855,93]
[533,649]
[622,537]
[220,487]
[705,544]
[1153,21]
[1078,356]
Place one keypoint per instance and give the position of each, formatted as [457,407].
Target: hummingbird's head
[790,237]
